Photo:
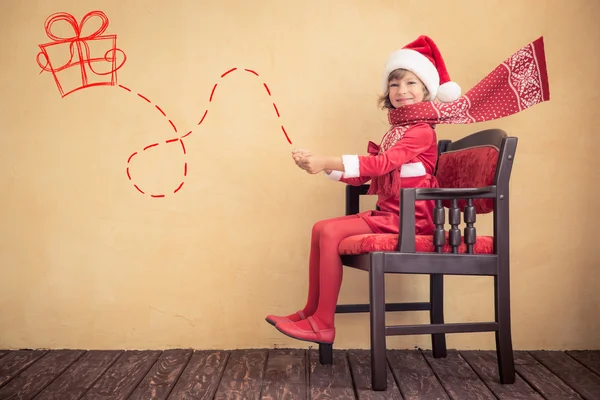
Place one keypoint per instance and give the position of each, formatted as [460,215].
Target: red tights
[325,268]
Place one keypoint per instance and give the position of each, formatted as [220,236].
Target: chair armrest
[486,192]
[408,196]
[353,194]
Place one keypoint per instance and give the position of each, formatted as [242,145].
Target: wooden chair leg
[436,315]
[504,349]
[326,354]
[377,317]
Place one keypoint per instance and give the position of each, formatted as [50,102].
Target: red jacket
[413,151]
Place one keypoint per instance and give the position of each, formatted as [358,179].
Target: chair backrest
[471,162]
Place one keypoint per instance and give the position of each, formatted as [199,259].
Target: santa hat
[423,58]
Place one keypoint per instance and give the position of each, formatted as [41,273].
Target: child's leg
[330,277]
[313,272]
[320,229]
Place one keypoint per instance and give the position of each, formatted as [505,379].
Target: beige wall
[89,262]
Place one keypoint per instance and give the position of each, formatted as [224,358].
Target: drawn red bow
[77,27]
[78,40]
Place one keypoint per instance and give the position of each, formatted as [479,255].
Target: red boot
[274,319]
[320,336]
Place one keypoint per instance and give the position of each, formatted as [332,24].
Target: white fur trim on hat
[448,92]
[418,64]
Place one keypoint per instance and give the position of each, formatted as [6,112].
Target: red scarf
[520,82]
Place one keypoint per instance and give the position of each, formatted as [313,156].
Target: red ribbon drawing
[79,45]
[179,140]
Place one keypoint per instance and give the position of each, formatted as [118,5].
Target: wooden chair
[473,175]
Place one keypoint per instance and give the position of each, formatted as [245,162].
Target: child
[406,157]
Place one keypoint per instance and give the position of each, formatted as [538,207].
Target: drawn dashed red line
[159,109]
[145,98]
[204,116]
[185,168]
[286,135]
[212,93]
[231,70]
[149,146]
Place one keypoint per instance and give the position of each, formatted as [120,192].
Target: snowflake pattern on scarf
[525,77]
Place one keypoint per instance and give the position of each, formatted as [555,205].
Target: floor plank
[541,379]
[485,364]
[285,375]
[184,374]
[162,376]
[415,379]
[360,366]
[123,376]
[243,375]
[200,378]
[457,377]
[332,381]
[578,377]
[524,358]
[80,376]
[16,361]
[590,359]
[32,380]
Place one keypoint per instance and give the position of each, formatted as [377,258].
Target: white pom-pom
[448,92]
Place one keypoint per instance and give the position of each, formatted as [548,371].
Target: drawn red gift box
[95,54]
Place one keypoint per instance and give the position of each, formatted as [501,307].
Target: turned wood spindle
[454,234]
[470,231]
[439,236]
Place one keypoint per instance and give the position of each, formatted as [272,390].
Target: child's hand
[313,164]
[297,154]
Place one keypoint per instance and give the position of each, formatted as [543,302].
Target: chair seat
[362,244]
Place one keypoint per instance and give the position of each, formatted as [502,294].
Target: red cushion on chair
[469,168]
[362,244]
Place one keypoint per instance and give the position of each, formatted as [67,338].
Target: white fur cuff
[351,166]
[335,175]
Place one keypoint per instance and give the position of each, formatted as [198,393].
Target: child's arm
[356,170]
[315,163]
[415,141]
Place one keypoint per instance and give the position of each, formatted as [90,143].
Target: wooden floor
[290,374]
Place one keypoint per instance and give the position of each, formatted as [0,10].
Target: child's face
[407,90]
